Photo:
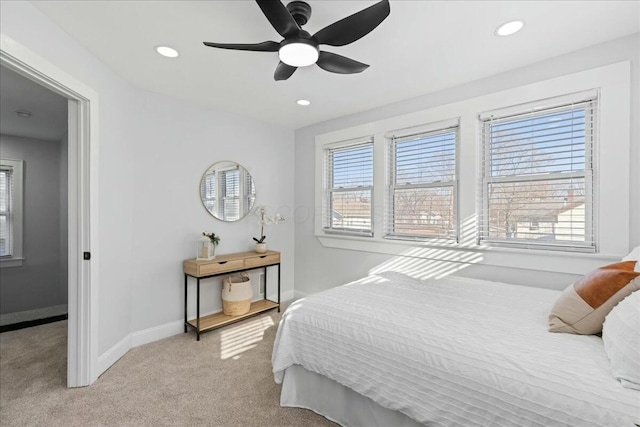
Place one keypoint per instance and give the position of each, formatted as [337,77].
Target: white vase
[261,248]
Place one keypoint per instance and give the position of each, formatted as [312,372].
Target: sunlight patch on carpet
[243,337]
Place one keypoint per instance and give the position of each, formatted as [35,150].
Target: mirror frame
[243,177]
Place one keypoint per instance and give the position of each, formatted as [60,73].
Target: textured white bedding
[454,352]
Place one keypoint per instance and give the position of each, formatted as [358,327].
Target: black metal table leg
[278,288]
[185,303]
[198,310]
[265,283]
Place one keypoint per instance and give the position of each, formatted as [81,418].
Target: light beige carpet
[224,379]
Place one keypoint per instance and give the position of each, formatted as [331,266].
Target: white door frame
[82,343]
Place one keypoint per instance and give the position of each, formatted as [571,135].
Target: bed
[391,350]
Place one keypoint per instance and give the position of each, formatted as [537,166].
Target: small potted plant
[264,219]
[207,246]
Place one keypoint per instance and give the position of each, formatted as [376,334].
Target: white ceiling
[48,110]
[422,47]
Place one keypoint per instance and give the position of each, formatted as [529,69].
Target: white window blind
[230,197]
[349,188]
[6,197]
[537,187]
[208,191]
[250,191]
[422,188]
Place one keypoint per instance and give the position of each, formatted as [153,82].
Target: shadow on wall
[436,263]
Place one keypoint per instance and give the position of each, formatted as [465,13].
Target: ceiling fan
[300,49]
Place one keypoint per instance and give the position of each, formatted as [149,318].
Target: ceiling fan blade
[283,71]
[339,64]
[354,27]
[279,17]
[257,47]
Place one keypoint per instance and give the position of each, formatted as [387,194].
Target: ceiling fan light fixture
[303,102]
[299,53]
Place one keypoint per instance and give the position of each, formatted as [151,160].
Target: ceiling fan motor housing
[301,11]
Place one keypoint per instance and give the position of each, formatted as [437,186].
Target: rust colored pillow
[582,307]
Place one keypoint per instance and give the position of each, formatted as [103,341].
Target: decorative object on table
[301,49]
[207,246]
[227,191]
[265,219]
[237,293]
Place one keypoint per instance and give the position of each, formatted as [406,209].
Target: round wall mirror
[227,191]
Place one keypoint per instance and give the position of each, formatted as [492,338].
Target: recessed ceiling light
[509,28]
[303,102]
[23,114]
[167,51]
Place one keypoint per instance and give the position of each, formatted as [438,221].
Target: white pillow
[622,341]
[634,255]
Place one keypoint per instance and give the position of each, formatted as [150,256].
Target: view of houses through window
[536,181]
[537,185]
[422,191]
[349,174]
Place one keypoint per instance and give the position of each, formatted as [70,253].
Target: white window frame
[222,197]
[432,129]
[16,212]
[535,109]
[611,212]
[203,190]
[329,190]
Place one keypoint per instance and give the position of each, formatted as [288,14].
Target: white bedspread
[454,352]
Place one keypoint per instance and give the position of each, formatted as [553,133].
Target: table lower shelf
[220,319]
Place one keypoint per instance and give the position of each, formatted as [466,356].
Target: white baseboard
[36,314]
[284,296]
[153,334]
[299,294]
[157,333]
[114,354]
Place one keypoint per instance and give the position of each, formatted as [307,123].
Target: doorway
[33,203]
[82,190]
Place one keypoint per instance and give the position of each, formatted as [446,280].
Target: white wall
[313,259]
[175,143]
[152,153]
[37,283]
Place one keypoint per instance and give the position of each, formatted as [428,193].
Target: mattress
[454,352]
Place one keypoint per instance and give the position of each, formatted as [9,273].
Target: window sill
[470,253]
[11,262]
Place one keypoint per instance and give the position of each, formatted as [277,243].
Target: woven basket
[237,293]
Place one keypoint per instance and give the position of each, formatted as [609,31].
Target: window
[11,181]
[208,190]
[230,194]
[422,187]
[250,193]
[537,186]
[348,188]
[6,196]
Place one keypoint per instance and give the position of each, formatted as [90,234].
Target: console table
[223,265]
